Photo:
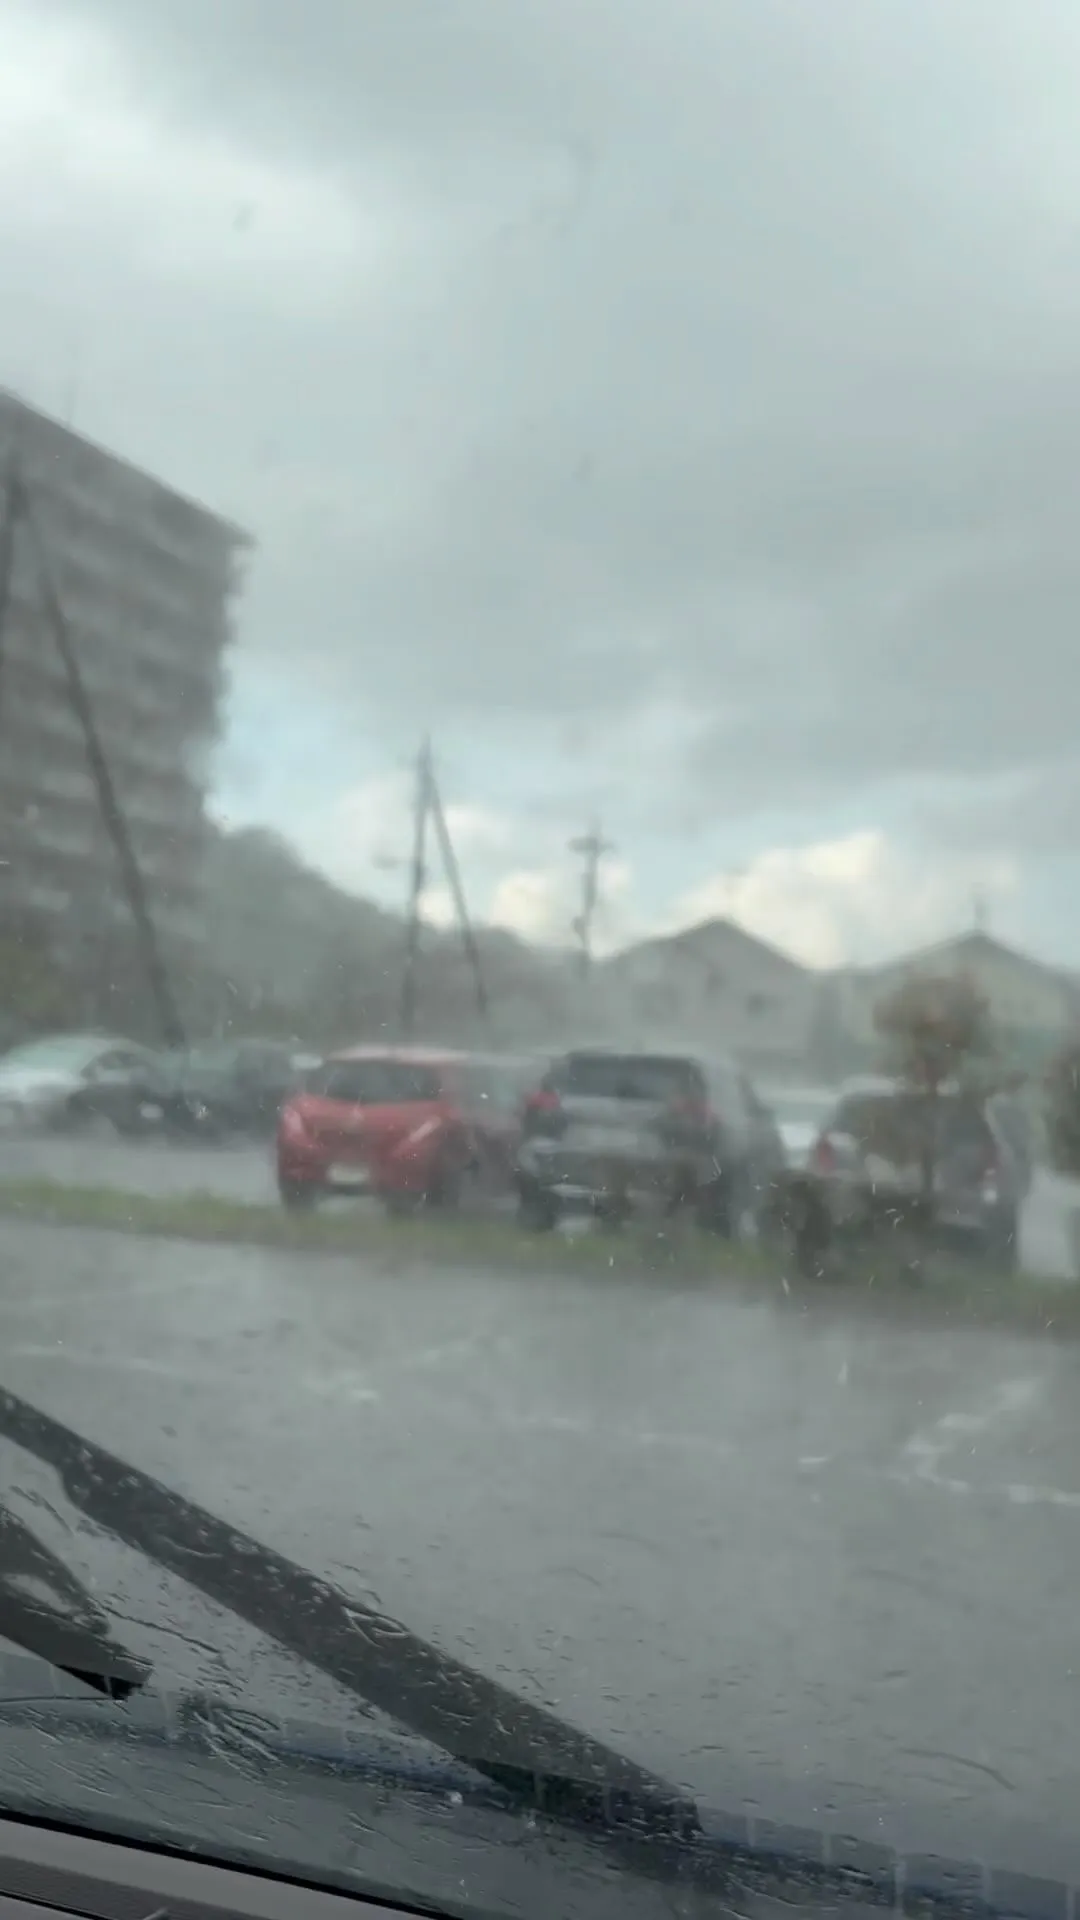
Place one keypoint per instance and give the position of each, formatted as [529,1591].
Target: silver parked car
[607,1132]
[888,1156]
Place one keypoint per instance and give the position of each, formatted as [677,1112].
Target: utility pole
[453,875]
[417,881]
[427,805]
[592,847]
[10,510]
[111,810]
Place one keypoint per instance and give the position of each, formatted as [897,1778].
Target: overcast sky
[675,408]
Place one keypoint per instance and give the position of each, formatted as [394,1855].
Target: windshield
[540,939]
[625,1077]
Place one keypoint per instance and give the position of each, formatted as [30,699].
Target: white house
[716,988]
[1033,1008]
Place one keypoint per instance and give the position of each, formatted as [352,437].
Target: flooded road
[826,1568]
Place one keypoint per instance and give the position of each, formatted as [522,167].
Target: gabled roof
[971,945]
[694,940]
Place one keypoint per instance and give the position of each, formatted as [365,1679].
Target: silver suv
[608,1132]
[888,1157]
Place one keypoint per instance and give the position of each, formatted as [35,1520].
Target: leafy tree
[1062,1111]
[935,1028]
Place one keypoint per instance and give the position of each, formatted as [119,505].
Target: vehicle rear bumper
[323,1174]
[326,1172]
[575,1185]
[860,1214]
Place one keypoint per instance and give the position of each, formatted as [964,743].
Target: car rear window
[629,1076]
[894,1125]
[375,1083]
[890,1125]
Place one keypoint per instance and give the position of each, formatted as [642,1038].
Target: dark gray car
[608,1132]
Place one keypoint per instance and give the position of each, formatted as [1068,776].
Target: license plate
[341,1175]
[600,1140]
[148,1111]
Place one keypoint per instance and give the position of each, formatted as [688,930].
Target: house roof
[970,945]
[709,933]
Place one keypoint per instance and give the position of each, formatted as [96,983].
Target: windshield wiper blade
[48,1612]
[540,1760]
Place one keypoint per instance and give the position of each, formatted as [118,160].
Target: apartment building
[147,580]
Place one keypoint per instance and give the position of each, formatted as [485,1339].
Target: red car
[407,1124]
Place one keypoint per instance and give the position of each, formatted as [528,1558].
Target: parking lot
[826,1571]
[244,1172]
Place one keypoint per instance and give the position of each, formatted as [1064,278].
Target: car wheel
[297,1196]
[444,1192]
[1001,1244]
[88,1122]
[810,1234]
[537,1213]
[716,1210]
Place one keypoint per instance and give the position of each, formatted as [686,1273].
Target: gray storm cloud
[729,360]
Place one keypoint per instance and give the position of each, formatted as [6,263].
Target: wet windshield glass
[540,941]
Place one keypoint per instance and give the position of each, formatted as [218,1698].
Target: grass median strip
[958,1291]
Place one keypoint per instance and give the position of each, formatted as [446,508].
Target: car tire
[88,1123]
[298,1196]
[716,1209]
[537,1213]
[1001,1244]
[401,1206]
[811,1234]
[444,1193]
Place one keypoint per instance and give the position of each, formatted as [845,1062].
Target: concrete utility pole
[427,805]
[11,503]
[453,876]
[592,847]
[417,883]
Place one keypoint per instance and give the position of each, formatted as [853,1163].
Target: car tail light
[991,1174]
[293,1123]
[823,1156]
[542,1112]
[690,1111]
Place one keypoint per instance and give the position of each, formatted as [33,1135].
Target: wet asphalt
[825,1568]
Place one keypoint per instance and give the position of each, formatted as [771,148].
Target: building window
[654,1003]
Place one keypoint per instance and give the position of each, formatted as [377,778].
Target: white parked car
[70,1076]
